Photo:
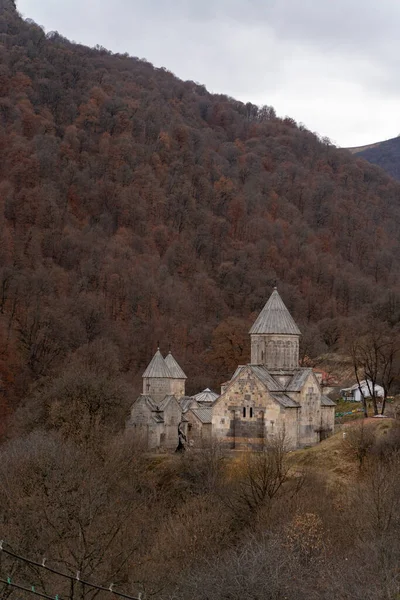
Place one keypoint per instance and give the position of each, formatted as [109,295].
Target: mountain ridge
[384,154]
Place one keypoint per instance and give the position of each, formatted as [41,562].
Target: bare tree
[262,478]
[359,440]
[375,358]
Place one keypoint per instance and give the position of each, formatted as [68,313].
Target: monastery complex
[270,395]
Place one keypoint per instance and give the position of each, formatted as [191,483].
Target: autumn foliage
[136,208]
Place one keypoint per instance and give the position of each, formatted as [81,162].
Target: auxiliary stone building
[269,396]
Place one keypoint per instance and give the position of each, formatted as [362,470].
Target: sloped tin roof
[157,367]
[188,402]
[298,380]
[285,400]
[164,403]
[203,414]
[174,368]
[275,318]
[325,401]
[266,378]
[206,396]
[157,417]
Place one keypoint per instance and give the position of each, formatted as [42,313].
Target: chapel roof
[157,367]
[147,400]
[187,402]
[275,318]
[204,414]
[206,396]
[164,403]
[266,378]
[285,400]
[298,380]
[325,401]
[174,368]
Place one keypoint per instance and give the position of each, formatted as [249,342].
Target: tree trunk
[384,403]
[363,401]
[374,403]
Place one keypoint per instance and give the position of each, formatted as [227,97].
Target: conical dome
[157,367]
[174,368]
[275,318]
[206,396]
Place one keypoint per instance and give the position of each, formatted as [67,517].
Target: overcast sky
[330,64]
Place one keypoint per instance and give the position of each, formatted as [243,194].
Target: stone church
[269,396]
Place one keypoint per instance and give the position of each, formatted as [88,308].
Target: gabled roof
[325,401]
[285,400]
[157,417]
[266,378]
[174,368]
[164,403]
[363,384]
[187,402]
[147,400]
[298,380]
[157,367]
[203,414]
[206,396]
[275,318]
[261,373]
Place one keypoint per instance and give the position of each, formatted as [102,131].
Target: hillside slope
[137,208]
[384,154]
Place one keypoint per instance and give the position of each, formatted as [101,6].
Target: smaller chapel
[269,396]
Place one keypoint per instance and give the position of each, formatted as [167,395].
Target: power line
[31,591]
[72,578]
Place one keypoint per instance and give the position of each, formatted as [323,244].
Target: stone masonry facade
[270,396]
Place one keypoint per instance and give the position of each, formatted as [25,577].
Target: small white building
[353,393]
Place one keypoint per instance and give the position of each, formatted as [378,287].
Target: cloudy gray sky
[330,64]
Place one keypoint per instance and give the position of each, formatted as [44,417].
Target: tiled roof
[157,367]
[285,400]
[206,396]
[187,402]
[203,414]
[266,378]
[298,380]
[157,417]
[275,318]
[147,400]
[325,401]
[174,368]
[165,402]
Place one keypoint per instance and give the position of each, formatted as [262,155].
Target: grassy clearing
[332,457]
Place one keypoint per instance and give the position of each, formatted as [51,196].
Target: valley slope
[384,154]
[137,208]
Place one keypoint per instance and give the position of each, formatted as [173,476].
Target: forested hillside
[137,208]
[384,154]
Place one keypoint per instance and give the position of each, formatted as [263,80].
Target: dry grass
[332,459]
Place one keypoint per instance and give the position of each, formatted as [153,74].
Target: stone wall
[178,387]
[157,387]
[172,417]
[146,431]
[246,415]
[198,434]
[327,420]
[275,351]
[309,399]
